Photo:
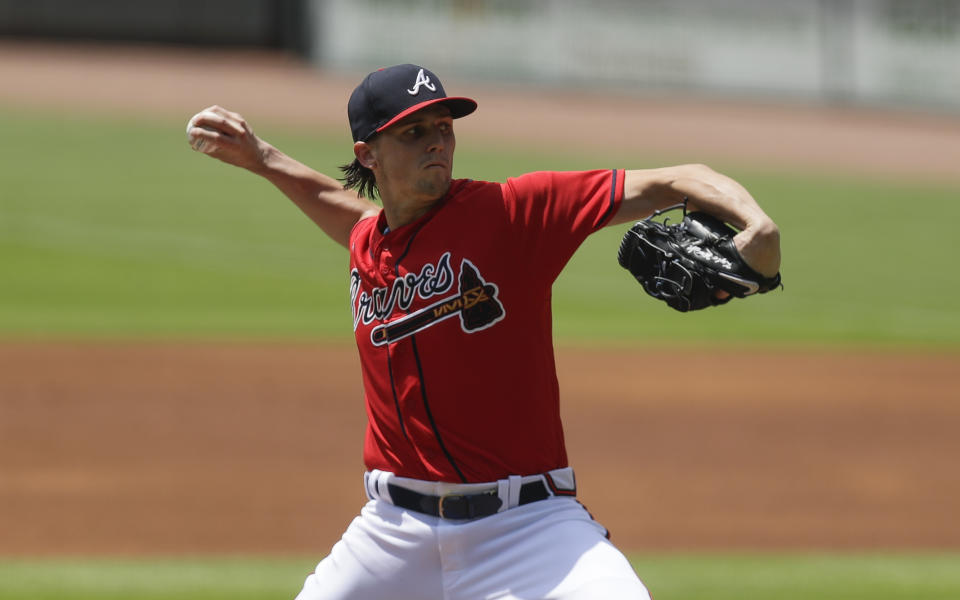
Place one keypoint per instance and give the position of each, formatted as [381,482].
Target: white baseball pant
[546,550]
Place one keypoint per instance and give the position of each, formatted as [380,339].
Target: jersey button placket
[386,260]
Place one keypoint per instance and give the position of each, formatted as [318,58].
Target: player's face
[415,156]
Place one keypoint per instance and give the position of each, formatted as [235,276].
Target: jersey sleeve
[554,212]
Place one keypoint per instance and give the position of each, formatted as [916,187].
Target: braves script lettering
[475,302]
[380,303]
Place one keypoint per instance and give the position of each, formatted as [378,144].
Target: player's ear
[364,153]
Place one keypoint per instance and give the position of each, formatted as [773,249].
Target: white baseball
[197,142]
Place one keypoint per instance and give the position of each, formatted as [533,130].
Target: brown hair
[360,178]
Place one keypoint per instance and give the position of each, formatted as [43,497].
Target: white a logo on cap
[424,80]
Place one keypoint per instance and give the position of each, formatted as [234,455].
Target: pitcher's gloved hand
[690,264]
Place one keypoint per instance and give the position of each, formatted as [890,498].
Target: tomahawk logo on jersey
[475,301]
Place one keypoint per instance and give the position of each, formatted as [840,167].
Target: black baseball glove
[685,264]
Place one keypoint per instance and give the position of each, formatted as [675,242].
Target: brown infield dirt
[168,448]
[215,447]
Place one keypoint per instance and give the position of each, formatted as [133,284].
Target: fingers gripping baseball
[206,128]
[224,135]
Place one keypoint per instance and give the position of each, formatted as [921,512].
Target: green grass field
[670,577]
[119,230]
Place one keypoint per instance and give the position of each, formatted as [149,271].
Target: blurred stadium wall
[268,23]
[888,52]
[870,52]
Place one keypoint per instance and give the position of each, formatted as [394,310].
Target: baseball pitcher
[471,495]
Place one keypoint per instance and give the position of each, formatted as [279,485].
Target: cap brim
[459,107]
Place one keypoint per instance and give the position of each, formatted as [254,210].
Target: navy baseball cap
[388,95]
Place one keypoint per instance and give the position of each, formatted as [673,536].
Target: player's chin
[435,182]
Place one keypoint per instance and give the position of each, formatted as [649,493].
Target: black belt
[462,506]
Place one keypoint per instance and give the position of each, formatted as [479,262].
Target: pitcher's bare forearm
[322,198]
[227,136]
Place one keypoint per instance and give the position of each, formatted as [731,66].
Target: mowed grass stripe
[117,229]
[922,576]
[801,576]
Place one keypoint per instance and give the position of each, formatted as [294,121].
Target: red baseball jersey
[453,323]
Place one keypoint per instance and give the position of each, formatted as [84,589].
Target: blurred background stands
[886,53]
